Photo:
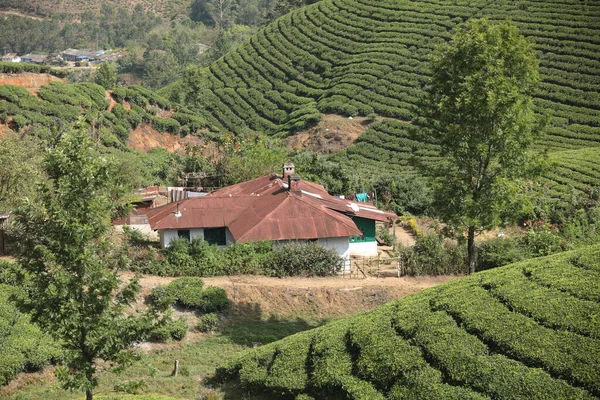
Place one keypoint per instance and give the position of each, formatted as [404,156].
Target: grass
[197,360]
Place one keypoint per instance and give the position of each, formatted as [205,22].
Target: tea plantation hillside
[65,102]
[356,57]
[529,330]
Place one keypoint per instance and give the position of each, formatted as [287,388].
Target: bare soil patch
[319,297]
[4,130]
[332,134]
[20,14]
[30,81]
[145,138]
[111,100]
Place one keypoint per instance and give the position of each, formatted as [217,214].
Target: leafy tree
[160,68]
[73,288]
[478,106]
[107,75]
[20,168]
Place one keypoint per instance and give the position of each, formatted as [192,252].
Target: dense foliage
[199,258]
[17,68]
[522,331]
[65,102]
[304,259]
[189,292]
[24,347]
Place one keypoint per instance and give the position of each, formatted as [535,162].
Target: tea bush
[528,330]
[23,346]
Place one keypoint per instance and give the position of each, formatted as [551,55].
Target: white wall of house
[166,235]
[364,249]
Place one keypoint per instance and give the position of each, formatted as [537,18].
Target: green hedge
[18,68]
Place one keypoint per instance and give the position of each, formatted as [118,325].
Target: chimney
[177,212]
[289,172]
[288,169]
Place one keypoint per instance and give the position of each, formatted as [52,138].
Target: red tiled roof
[264,209]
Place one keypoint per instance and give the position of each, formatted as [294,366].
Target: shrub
[308,259]
[162,297]
[498,252]
[384,234]
[542,242]
[189,292]
[214,299]
[433,255]
[169,329]
[22,346]
[208,322]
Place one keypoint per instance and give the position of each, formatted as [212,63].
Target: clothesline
[360,197]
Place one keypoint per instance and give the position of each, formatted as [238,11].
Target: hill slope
[355,58]
[115,114]
[526,331]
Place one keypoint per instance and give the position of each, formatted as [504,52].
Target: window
[215,236]
[184,233]
[367,227]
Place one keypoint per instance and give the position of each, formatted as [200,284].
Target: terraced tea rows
[526,331]
[68,102]
[358,57]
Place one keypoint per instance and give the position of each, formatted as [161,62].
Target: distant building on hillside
[91,56]
[75,55]
[280,208]
[34,58]
[11,57]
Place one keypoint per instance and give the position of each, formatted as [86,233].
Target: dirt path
[20,14]
[408,284]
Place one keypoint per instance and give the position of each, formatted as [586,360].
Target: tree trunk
[471,248]
[89,395]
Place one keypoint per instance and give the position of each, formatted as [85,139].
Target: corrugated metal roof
[264,209]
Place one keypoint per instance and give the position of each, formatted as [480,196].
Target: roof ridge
[327,208]
[262,219]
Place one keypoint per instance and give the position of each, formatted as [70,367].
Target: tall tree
[479,107]
[107,75]
[63,244]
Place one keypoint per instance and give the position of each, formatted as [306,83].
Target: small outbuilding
[34,58]
[11,57]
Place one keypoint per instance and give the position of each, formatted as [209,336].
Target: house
[280,208]
[75,55]
[147,198]
[11,57]
[34,58]
[3,238]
